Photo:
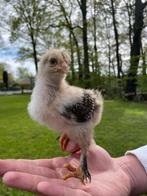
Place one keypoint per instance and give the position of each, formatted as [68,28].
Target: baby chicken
[71,110]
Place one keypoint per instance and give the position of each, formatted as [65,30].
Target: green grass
[123,127]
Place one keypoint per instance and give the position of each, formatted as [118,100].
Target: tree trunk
[85,41]
[35,57]
[116,40]
[72,56]
[71,29]
[129,11]
[34,50]
[144,65]
[96,63]
[78,57]
[109,49]
[131,85]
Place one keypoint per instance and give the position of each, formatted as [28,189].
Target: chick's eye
[53,61]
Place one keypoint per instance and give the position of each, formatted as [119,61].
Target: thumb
[99,158]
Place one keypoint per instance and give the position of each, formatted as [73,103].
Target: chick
[71,110]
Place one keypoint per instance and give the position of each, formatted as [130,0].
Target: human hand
[110,176]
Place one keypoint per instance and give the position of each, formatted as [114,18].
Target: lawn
[123,127]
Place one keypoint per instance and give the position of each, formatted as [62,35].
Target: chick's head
[55,61]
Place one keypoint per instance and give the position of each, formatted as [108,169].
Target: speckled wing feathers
[81,111]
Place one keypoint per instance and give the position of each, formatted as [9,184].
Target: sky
[9,51]
[9,55]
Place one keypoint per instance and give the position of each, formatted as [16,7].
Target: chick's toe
[77,173]
[64,140]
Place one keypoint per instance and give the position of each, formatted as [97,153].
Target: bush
[2,86]
[14,87]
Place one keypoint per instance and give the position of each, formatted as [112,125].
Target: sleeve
[141,155]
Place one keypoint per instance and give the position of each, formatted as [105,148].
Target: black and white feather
[82,110]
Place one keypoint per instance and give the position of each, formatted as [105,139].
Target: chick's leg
[82,171]
[86,177]
[85,140]
[73,171]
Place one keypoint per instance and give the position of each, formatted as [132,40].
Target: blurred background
[105,39]
[107,43]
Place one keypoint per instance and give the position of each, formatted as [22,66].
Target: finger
[56,189]
[26,167]
[53,168]
[38,162]
[55,163]
[29,182]
[23,181]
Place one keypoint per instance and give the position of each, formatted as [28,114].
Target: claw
[70,167]
[64,142]
[84,176]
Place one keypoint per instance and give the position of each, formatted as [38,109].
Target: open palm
[44,176]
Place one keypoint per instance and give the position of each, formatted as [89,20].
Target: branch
[79,4]
[77,27]
[144,4]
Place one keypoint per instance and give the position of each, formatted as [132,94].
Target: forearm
[136,172]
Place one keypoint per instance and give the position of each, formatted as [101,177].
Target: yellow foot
[64,139]
[74,172]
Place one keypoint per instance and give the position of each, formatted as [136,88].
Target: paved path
[15,92]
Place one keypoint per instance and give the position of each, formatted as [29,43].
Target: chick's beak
[63,67]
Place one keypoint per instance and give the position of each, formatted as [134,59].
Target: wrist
[136,173]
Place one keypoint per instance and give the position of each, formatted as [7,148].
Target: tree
[1,72]
[83,8]
[6,75]
[24,78]
[93,27]
[5,78]
[119,70]
[144,63]
[72,36]
[99,35]
[131,85]
[129,8]
[23,72]
[30,20]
